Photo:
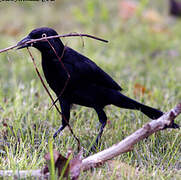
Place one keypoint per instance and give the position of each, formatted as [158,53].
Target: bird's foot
[56,133]
[173,126]
[93,149]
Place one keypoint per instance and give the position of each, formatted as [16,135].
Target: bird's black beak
[23,43]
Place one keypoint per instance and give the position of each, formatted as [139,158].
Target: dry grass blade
[41,79]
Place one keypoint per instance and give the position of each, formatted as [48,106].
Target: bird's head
[43,45]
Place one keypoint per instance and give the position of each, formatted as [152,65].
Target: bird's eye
[44,35]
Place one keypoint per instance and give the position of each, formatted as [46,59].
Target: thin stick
[67,35]
[66,83]
[68,74]
[41,79]
[43,83]
[57,36]
[8,48]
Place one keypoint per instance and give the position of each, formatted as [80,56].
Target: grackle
[88,86]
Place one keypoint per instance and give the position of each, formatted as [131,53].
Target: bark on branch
[165,121]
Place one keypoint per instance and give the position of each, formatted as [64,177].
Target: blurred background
[143,56]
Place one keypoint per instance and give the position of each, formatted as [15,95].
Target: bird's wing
[85,69]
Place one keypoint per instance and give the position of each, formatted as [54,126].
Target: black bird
[175,8]
[88,86]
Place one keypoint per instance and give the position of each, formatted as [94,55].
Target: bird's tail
[151,112]
[124,102]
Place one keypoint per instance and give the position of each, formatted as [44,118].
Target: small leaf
[140,90]
[59,160]
[65,165]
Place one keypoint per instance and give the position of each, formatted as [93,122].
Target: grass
[135,54]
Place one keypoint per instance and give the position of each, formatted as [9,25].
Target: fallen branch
[165,121]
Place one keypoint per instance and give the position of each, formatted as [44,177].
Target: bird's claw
[172,126]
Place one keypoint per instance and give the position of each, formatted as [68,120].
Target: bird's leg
[65,106]
[59,130]
[102,119]
[100,132]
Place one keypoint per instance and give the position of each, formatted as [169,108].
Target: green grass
[128,58]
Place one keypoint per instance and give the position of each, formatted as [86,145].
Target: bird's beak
[23,43]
